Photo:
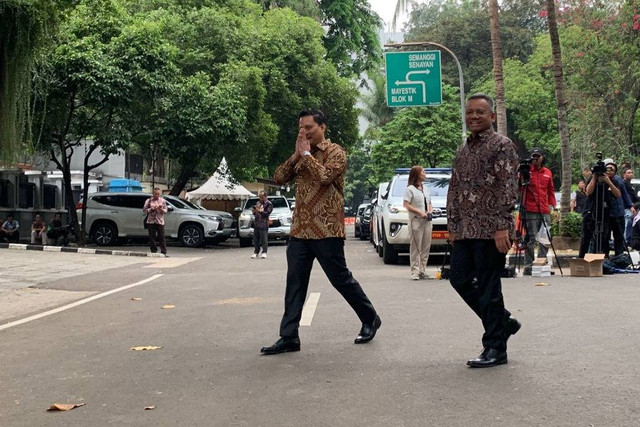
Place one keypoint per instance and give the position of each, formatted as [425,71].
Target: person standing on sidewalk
[317,232]
[417,202]
[155,207]
[540,197]
[261,212]
[630,213]
[482,195]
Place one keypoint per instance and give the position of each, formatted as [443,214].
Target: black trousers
[330,254]
[476,265]
[156,232]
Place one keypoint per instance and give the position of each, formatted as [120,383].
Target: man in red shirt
[538,196]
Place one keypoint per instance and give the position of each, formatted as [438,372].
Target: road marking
[309,309]
[77,303]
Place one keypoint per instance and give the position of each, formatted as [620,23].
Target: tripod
[521,229]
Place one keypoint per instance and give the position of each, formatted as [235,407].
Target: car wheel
[191,236]
[104,234]
[363,237]
[390,255]
[245,242]
[356,232]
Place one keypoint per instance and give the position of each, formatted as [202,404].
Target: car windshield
[438,186]
[177,203]
[188,203]
[277,202]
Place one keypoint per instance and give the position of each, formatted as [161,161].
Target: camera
[524,170]
[599,168]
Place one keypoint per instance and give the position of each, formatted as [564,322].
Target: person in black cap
[538,198]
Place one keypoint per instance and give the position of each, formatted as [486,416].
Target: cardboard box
[590,266]
[539,261]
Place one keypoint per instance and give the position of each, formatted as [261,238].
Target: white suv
[279,220]
[111,216]
[392,235]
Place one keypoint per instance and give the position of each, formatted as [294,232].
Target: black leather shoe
[488,358]
[283,345]
[513,326]
[368,331]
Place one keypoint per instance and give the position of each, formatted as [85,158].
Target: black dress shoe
[283,345]
[368,331]
[488,358]
[513,326]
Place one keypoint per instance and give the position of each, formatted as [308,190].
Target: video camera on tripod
[599,168]
[524,170]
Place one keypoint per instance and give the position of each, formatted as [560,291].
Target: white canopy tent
[219,187]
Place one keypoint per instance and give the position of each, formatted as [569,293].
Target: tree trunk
[496,48]
[565,148]
[185,175]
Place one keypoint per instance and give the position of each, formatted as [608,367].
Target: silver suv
[279,220]
[392,235]
[111,216]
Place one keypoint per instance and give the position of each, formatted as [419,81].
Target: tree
[563,129]
[496,53]
[103,65]
[26,28]
[427,136]
[243,74]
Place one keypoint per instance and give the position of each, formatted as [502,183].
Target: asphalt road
[572,364]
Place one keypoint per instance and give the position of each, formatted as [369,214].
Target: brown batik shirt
[319,182]
[483,188]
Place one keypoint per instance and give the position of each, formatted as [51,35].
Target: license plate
[440,235]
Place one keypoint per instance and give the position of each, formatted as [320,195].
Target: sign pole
[461,78]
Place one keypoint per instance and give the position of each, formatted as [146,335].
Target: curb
[23,247]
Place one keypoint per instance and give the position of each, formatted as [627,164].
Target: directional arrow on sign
[410,82]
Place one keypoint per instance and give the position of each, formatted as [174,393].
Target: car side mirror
[238,209]
[170,209]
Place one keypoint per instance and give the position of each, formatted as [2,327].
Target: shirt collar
[323,145]
[480,137]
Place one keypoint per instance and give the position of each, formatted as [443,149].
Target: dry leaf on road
[541,284]
[64,406]
[146,347]
[136,299]
[149,408]
[166,306]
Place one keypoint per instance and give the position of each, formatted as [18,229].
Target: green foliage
[464,28]
[427,136]
[26,28]
[261,67]
[571,225]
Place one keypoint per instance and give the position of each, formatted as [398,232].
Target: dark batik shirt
[483,187]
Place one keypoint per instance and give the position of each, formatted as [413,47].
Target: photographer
[538,196]
[618,206]
[630,213]
[601,191]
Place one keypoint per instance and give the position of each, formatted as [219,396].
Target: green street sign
[414,79]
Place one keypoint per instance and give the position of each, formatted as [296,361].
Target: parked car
[359,213]
[365,224]
[392,236]
[230,224]
[279,220]
[376,217]
[112,216]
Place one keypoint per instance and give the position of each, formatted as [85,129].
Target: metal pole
[461,77]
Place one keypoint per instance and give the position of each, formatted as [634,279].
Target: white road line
[77,303]
[309,309]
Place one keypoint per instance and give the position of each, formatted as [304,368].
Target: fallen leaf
[166,306]
[146,347]
[136,299]
[541,284]
[149,408]
[64,406]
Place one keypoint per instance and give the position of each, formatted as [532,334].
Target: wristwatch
[306,153]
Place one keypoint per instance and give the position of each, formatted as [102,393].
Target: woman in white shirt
[417,202]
